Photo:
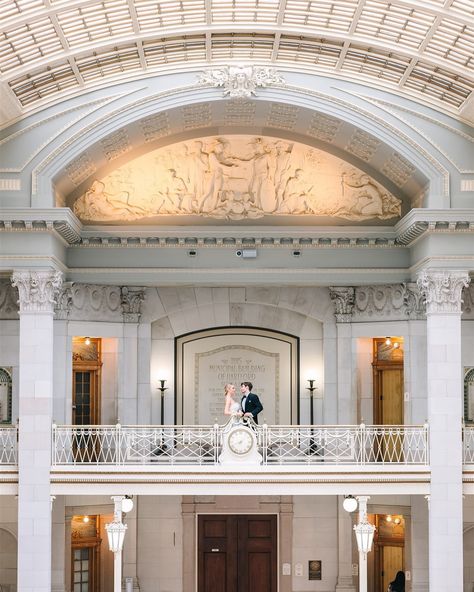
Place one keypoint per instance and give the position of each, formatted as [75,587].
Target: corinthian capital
[131,300]
[343,298]
[37,290]
[442,289]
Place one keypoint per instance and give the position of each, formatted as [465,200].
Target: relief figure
[236,178]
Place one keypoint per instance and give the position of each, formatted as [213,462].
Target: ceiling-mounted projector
[246,253]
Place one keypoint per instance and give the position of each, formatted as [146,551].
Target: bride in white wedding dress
[232,407]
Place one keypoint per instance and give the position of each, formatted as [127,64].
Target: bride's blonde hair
[227,388]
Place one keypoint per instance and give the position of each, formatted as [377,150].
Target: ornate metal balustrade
[468,445]
[8,446]
[279,445]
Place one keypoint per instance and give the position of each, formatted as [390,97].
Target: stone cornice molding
[442,290]
[343,299]
[37,290]
[419,221]
[131,301]
[66,225]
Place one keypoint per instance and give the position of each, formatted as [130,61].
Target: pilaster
[419,544]
[59,546]
[37,295]
[131,299]
[442,291]
[345,535]
[129,554]
[343,299]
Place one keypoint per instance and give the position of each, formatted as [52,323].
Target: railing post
[216,443]
[363,441]
[264,443]
[118,441]
[426,428]
[53,444]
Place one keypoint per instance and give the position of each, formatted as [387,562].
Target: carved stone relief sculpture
[240,82]
[235,178]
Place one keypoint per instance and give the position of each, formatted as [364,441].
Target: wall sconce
[87,340]
[350,503]
[389,342]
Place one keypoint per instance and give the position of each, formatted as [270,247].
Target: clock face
[240,441]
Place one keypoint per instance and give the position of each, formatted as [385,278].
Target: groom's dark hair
[249,384]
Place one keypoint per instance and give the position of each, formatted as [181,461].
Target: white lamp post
[116,534]
[364,532]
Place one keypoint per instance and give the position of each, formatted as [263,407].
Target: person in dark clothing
[250,402]
[398,584]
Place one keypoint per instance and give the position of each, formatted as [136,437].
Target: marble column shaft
[37,291]
[442,290]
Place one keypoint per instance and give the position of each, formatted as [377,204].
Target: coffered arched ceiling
[341,138]
[50,49]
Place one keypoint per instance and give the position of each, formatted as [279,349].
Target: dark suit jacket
[253,406]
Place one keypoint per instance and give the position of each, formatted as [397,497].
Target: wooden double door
[237,553]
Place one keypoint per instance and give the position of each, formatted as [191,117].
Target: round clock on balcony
[240,441]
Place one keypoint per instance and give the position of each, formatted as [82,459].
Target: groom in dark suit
[250,402]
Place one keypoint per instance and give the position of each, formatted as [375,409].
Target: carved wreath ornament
[240,82]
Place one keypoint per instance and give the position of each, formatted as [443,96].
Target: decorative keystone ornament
[240,82]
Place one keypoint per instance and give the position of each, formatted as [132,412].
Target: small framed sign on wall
[314,569]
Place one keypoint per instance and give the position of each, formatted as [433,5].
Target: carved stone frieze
[64,302]
[363,145]
[442,290]
[343,298]
[37,290]
[236,178]
[240,81]
[8,301]
[392,301]
[92,302]
[376,303]
[324,127]
[131,300]
[414,302]
[468,302]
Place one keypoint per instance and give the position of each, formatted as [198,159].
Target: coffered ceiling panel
[424,49]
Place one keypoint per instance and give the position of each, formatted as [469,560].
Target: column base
[135,585]
[345,585]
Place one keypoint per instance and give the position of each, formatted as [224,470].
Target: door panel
[392,392]
[237,553]
[392,561]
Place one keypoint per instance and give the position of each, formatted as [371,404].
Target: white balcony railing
[468,445]
[8,446]
[279,445]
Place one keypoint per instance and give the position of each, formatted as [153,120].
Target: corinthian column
[442,291]
[343,299]
[37,291]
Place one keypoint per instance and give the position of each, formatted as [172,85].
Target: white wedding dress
[234,414]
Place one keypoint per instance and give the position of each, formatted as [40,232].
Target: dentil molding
[63,223]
